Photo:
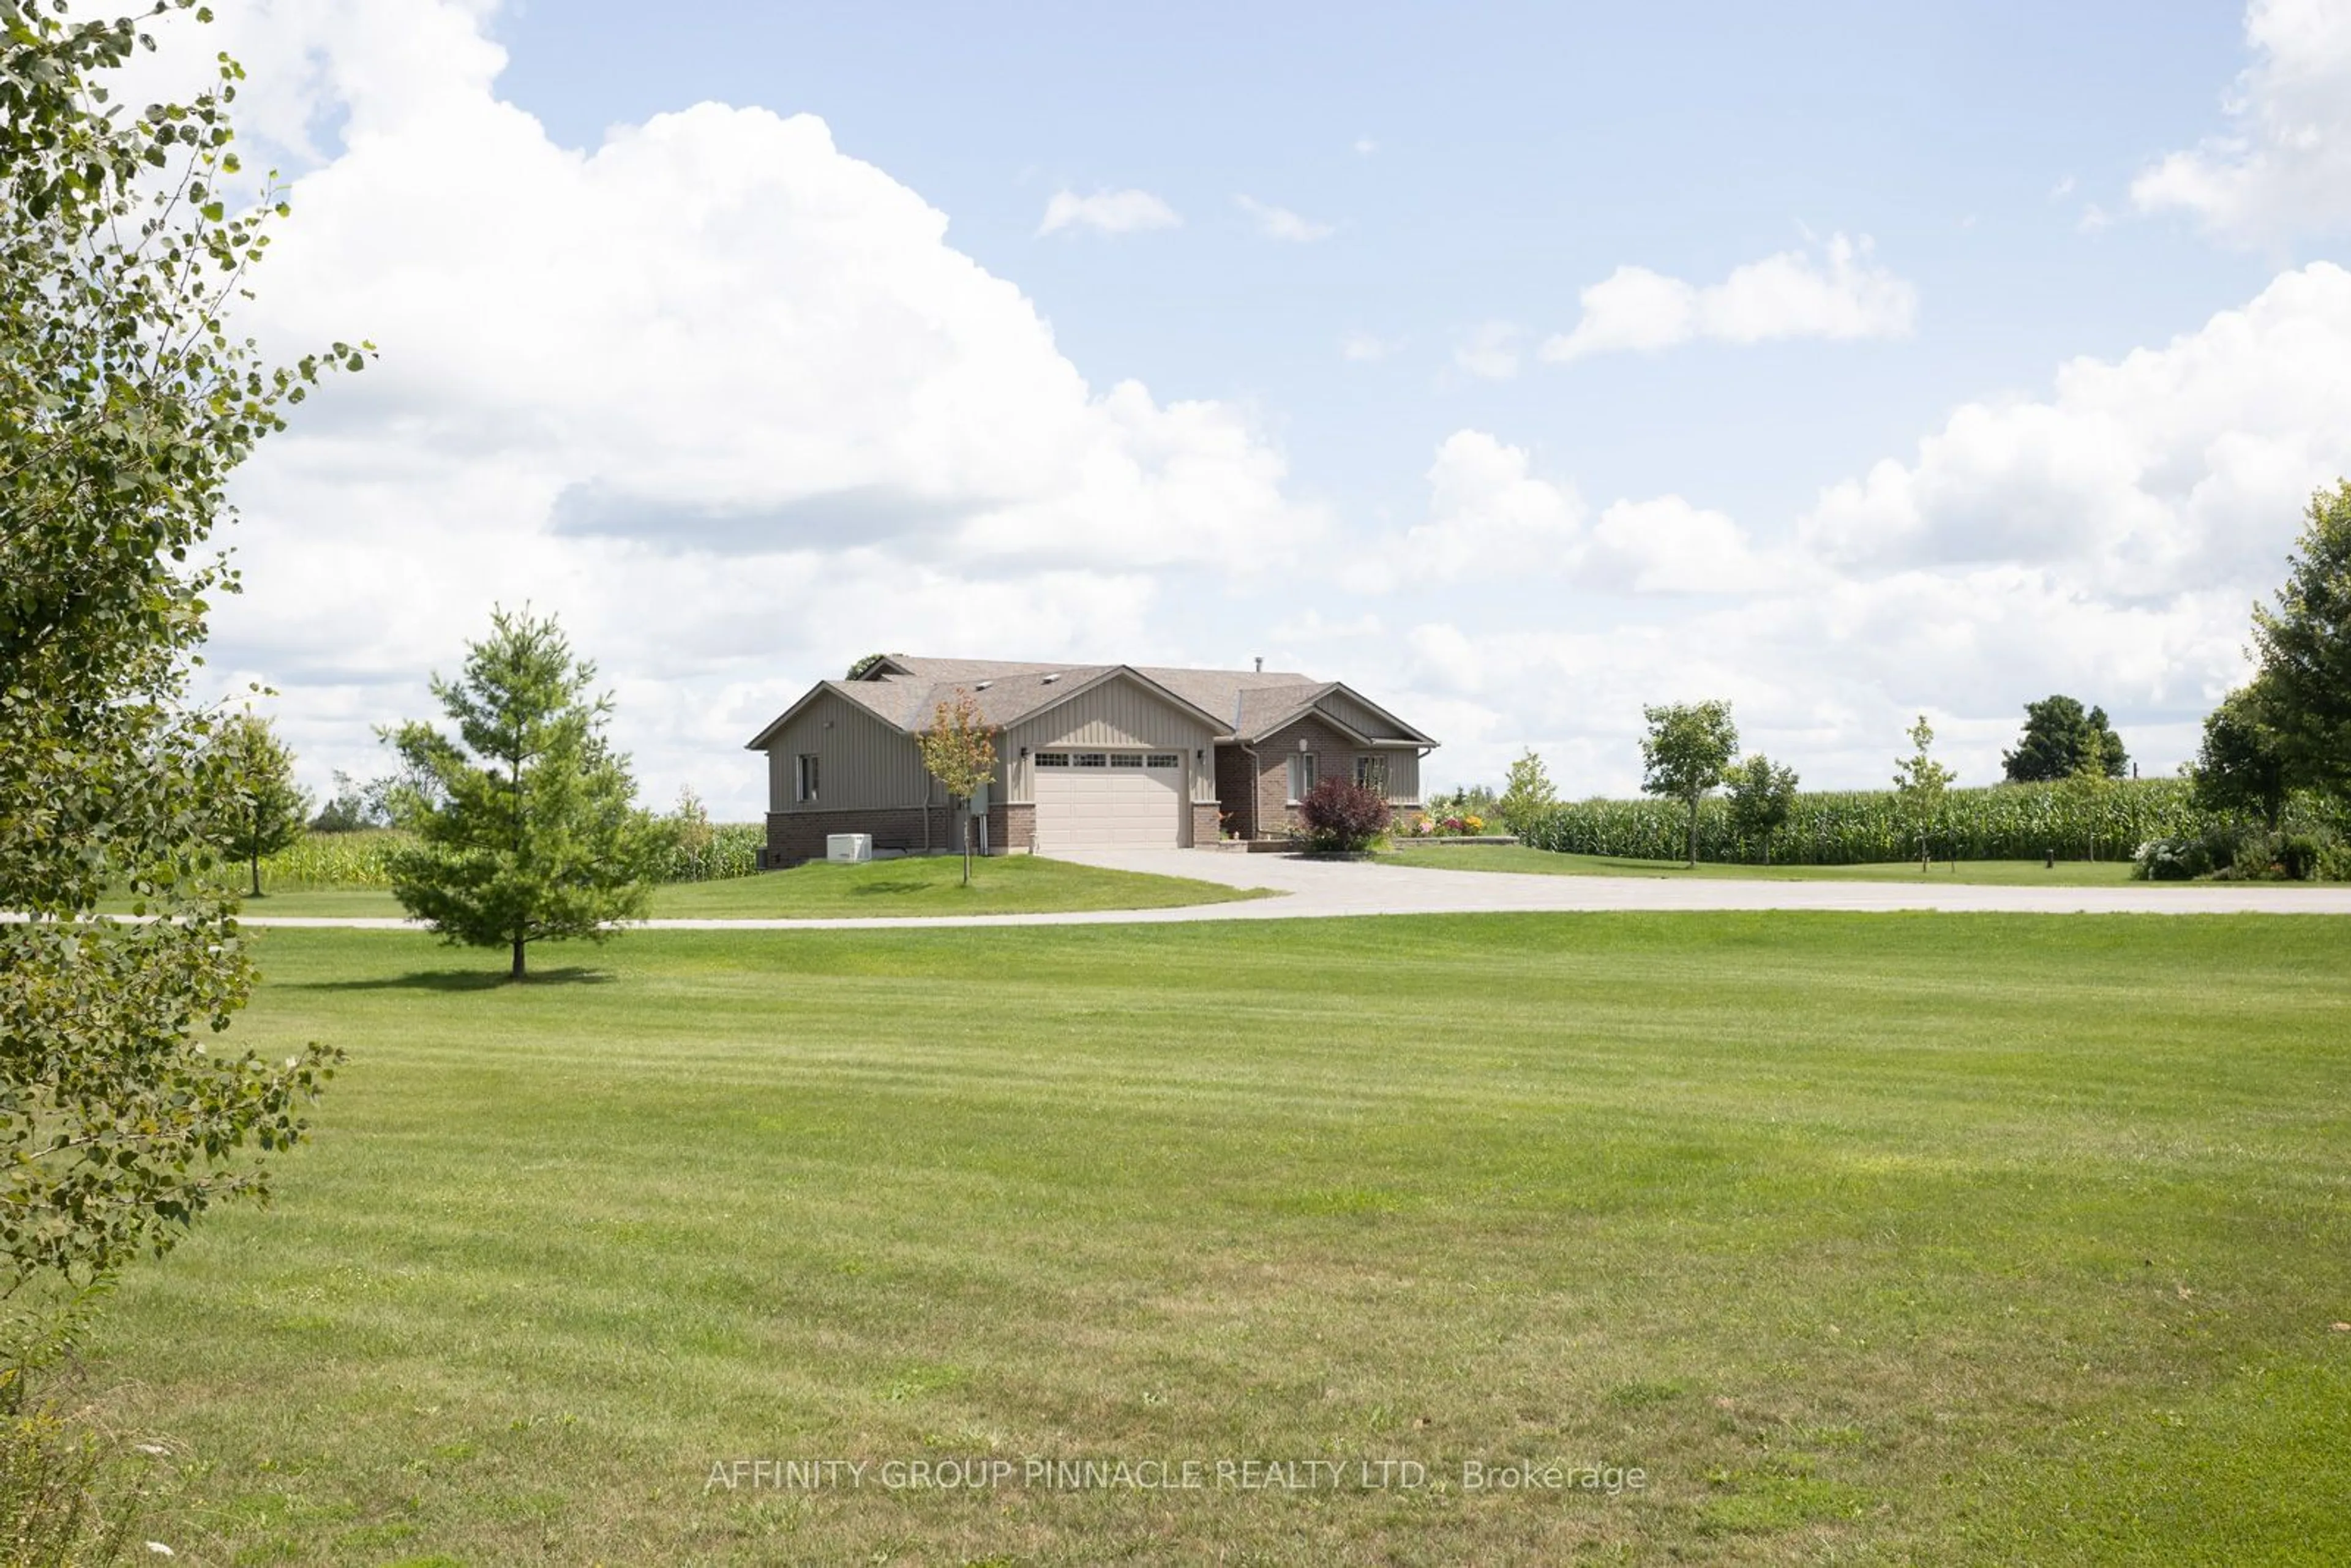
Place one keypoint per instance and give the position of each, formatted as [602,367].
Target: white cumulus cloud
[1281,224]
[2166,470]
[1838,292]
[1107,212]
[1665,545]
[2283,168]
[1490,514]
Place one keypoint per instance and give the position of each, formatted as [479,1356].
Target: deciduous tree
[2092,785]
[527,822]
[354,807]
[1685,753]
[2058,733]
[960,752]
[2304,643]
[692,838]
[1762,794]
[2241,764]
[261,810]
[126,403]
[1920,781]
[1527,793]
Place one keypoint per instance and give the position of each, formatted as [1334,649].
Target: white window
[1165,760]
[1126,760]
[1053,759]
[1092,760]
[1372,773]
[1302,777]
[804,777]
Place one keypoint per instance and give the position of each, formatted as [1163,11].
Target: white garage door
[1108,800]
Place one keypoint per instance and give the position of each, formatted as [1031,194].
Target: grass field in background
[1547,862]
[1935,1239]
[1008,884]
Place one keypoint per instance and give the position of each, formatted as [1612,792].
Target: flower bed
[1452,825]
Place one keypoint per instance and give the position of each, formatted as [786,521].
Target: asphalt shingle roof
[1244,701]
[1007,691]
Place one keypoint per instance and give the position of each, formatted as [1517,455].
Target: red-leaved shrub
[1342,816]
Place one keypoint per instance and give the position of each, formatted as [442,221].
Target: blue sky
[1521,153]
[1928,360]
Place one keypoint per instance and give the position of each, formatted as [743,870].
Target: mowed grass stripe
[1958,1237]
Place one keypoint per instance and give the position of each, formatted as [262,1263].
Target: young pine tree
[527,822]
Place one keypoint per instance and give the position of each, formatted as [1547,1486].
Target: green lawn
[1931,1238]
[2004,873]
[1009,885]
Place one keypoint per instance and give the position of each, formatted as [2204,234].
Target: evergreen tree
[527,822]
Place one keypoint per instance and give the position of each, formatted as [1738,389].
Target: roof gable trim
[1313,704]
[1215,726]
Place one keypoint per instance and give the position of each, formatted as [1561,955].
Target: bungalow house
[1088,755]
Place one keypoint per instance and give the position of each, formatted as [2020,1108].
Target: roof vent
[1048,680]
[1261,663]
[982,685]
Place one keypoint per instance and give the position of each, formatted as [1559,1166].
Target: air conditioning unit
[849,849]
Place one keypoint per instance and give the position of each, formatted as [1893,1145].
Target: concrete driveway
[1365,887]
[1311,890]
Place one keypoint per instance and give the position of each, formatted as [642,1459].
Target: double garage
[1110,800]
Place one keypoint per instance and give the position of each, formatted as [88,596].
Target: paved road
[1321,889]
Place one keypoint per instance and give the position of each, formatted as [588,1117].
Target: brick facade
[1236,788]
[1334,757]
[1260,804]
[1206,829]
[797,836]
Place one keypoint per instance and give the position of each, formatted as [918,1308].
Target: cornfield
[2007,821]
[363,858]
[733,851]
[334,859]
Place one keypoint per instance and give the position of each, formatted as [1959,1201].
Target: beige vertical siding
[1403,776]
[1120,713]
[860,761]
[1358,717]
